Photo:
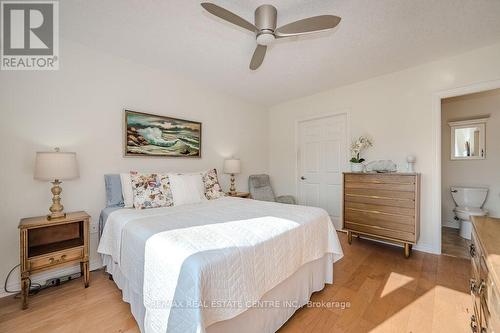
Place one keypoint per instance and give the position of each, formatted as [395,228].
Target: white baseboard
[451,224]
[42,277]
[424,247]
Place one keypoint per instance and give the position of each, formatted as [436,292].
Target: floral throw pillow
[151,190]
[213,190]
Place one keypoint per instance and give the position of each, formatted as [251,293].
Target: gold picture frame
[151,135]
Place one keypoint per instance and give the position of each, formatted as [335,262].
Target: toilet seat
[471,211]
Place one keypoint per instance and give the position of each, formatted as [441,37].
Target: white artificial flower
[359,145]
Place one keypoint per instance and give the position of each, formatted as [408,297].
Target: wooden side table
[239,194]
[51,244]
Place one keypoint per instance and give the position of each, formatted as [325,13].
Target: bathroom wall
[472,172]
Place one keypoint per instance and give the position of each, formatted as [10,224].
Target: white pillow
[128,195]
[187,188]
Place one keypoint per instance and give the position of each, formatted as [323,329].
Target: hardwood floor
[453,244]
[384,291]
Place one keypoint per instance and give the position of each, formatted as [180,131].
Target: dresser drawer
[393,222]
[379,209]
[380,178]
[380,186]
[475,247]
[381,232]
[483,274]
[494,323]
[41,262]
[380,200]
[493,300]
[475,253]
[380,193]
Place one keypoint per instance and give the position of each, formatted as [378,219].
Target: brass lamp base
[55,216]
[56,209]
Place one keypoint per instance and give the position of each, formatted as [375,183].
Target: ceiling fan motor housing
[265,21]
[266,17]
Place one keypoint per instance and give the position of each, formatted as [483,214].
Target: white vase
[357,167]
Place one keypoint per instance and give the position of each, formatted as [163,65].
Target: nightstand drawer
[41,262]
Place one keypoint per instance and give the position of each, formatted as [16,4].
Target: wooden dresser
[383,206]
[48,244]
[485,280]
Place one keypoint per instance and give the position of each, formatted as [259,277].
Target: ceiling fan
[265,26]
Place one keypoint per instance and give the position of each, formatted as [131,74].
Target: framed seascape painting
[153,135]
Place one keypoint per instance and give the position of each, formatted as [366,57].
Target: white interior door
[321,160]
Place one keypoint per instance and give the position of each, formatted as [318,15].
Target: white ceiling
[374,37]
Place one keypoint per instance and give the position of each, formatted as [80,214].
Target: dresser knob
[473,324]
[472,285]
[472,250]
[51,260]
[481,287]
[63,257]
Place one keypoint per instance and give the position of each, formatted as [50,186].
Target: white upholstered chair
[260,189]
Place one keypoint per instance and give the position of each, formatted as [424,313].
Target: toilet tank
[471,197]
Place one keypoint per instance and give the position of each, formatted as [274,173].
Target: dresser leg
[407,250]
[349,237]
[84,269]
[25,286]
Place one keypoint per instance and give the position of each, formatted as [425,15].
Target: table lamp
[232,166]
[54,167]
[410,159]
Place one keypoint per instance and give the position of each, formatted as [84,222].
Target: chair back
[260,188]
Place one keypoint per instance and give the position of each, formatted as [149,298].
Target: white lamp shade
[232,166]
[56,165]
[411,159]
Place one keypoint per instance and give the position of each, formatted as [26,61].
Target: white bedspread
[203,263]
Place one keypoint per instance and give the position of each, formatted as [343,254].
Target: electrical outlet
[52,282]
[94,228]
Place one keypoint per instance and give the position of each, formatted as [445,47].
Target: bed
[222,265]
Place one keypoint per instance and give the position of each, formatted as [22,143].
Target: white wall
[396,110]
[79,108]
[473,172]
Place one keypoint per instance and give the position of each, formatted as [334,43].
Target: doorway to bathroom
[470,159]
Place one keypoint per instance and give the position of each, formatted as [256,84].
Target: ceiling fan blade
[258,56]
[228,16]
[308,26]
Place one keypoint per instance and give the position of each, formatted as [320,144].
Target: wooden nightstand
[50,244]
[239,194]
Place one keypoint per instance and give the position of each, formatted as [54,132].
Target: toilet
[469,201]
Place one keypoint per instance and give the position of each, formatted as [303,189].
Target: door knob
[303,178]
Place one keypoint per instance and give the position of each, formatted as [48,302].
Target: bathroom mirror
[468,139]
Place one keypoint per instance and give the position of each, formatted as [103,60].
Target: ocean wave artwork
[155,135]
